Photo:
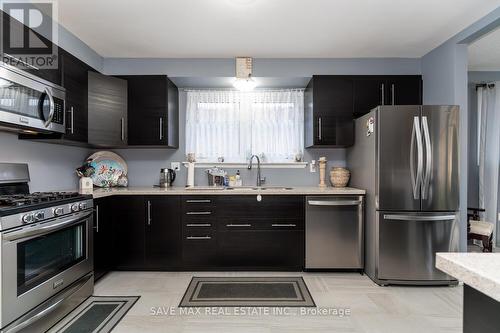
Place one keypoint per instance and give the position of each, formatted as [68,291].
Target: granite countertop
[205,190]
[478,270]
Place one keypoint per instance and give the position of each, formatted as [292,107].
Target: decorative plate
[110,169]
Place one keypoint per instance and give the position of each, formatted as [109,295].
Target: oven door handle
[16,235]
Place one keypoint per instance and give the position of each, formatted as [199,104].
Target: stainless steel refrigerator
[406,157]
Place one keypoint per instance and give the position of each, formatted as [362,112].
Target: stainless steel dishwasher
[334,232]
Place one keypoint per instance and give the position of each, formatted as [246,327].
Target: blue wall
[444,72]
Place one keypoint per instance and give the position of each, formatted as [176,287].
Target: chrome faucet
[260,179]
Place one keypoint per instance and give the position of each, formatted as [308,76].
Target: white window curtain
[235,125]
[489,151]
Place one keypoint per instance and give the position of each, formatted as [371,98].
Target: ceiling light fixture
[244,80]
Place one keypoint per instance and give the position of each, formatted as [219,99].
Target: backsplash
[144,164]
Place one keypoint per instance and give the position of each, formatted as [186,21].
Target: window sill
[229,165]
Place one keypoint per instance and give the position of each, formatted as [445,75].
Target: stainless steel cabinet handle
[72,123]
[198,213]
[198,237]
[198,225]
[199,201]
[320,134]
[397,217]
[382,90]
[392,93]
[428,159]
[161,128]
[334,202]
[96,218]
[238,225]
[416,136]
[149,212]
[283,225]
[122,128]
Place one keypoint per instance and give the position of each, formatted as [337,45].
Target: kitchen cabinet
[75,80]
[328,106]
[153,111]
[103,234]
[372,91]
[199,237]
[107,111]
[146,233]
[163,233]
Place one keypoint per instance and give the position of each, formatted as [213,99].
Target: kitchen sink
[239,188]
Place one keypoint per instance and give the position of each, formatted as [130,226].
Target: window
[235,125]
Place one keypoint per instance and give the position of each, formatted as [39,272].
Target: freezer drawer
[408,243]
[334,232]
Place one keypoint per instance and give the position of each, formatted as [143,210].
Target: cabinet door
[334,127]
[147,109]
[107,105]
[261,250]
[103,237]
[75,79]
[405,90]
[129,225]
[173,115]
[163,232]
[369,92]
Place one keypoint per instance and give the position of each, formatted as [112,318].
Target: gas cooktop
[16,203]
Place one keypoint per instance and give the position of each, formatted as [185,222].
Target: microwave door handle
[16,235]
[51,107]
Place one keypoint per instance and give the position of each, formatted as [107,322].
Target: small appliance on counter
[167,177]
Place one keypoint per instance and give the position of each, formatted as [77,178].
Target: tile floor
[372,308]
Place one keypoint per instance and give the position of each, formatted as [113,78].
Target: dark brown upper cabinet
[372,91]
[75,80]
[328,104]
[153,111]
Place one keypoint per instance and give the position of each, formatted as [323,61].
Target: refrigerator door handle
[416,178]
[428,159]
[397,217]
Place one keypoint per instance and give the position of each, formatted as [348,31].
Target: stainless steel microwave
[29,103]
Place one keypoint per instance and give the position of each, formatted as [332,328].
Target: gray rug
[95,314]
[247,291]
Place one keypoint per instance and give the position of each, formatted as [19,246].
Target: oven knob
[83,206]
[28,218]
[74,208]
[39,216]
[58,211]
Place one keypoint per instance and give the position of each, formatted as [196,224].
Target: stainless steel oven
[28,103]
[40,260]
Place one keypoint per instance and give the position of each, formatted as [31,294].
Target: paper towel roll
[190,178]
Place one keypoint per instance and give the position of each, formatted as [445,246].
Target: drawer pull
[198,213]
[284,225]
[198,237]
[238,225]
[199,201]
[198,225]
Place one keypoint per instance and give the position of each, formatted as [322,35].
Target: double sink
[239,188]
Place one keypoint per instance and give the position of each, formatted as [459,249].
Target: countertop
[205,190]
[481,271]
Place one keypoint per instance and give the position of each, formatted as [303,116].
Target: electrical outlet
[312,166]
[175,166]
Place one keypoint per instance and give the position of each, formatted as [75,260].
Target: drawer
[197,203]
[230,224]
[199,251]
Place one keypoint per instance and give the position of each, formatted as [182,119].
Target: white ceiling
[484,54]
[268,28]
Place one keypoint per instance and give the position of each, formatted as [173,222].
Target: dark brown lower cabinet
[103,234]
[146,233]
[262,249]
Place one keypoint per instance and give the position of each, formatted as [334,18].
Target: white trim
[228,165]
